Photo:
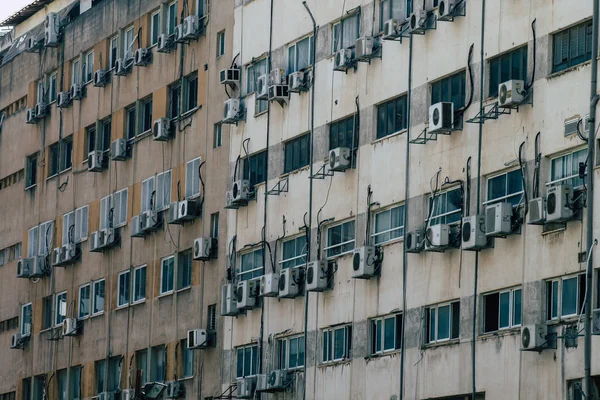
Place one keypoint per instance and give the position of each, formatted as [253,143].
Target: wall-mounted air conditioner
[498,219]
[30,117]
[70,327]
[437,237]
[290,281]
[25,266]
[537,211]
[245,294]
[241,191]
[363,263]
[100,78]
[269,285]
[340,159]
[441,117]
[417,22]
[473,235]
[63,99]
[365,48]
[143,57]
[136,226]
[162,129]
[277,77]
[123,66]
[119,150]
[533,337]
[277,380]
[76,92]
[95,161]
[511,93]
[228,300]
[318,276]
[205,248]
[343,60]
[279,93]
[52,29]
[297,82]
[415,241]
[391,29]
[559,207]
[165,43]
[188,210]
[230,76]
[41,110]
[39,267]
[232,111]
[262,87]
[198,339]
[245,387]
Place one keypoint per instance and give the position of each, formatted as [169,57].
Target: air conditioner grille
[551,203]
[356,261]
[466,231]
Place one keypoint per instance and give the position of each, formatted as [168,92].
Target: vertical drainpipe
[310,183]
[406,194]
[478,203]
[590,203]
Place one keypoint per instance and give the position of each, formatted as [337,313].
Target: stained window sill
[346,361]
[401,132]
[567,70]
[99,314]
[391,242]
[64,171]
[31,186]
[256,115]
[450,342]
[185,289]
[295,171]
[386,353]
[502,332]
[167,294]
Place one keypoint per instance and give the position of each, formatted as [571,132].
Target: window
[294,252]
[139,284]
[40,91]
[192,178]
[187,360]
[214,225]
[163,190]
[191,90]
[391,117]
[128,43]
[8,396]
[389,224]
[446,207]
[91,139]
[174,98]
[502,310]
[251,265]
[31,165]
[451,89]
[88,67]
[389,9]
[124,286]
[255,71]
[68,228]
[75,382]
[100,371]
[155,28]
[26,389]
[247,361]
[442,322]
[46,230]
[297,153]
[218,136]
[39,385]
[409,8]
[386,334]
[84,301]
[98,297]
[26,319]
[346,32]
[184,270]
[61,308]
[254,168]
[141,363]
[291,352]
[148,194]
[81,224]
[52,87]
[220,43]
[575,389]
[337,343]
[512,65]
[47,312]
[572,46]
[564,296]
[201,8]
[61,156]
[341,134]
[32,241]
[54,154]
[507,187]
[565,169]
[62,384]
[131,121]
[166,274]
[113,210]
[114,51]
[146,115]
[171,17]
[157,363]
[300,55]
[340,239]
[75,71]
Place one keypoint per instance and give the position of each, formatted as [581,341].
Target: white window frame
[114,44]
[329,247]
[295,46]
[339,25]
[446,214]
[381,333]
[119,215]
[194,164]
[205,5]
[162,275]
[41,89]
[240,273]
[24,308]
[52,87]
[511,308]
[120,288]
[87,72]
[553,182]
[171,30]
[162,199]
[68,222]
[436,307]
[136,272]
[559,301]
[290,239]
[502,198]
[45,243]
[253,348]
[33,237]
[148,189]
[89,311]
[375,234]
[81,224]
[76,71]
[287,340]
[93,313]
[154,28]
[330,332]
[221,44]
[58,314]
[128,47]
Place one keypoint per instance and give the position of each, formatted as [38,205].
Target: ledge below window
[389,353]
[567,70]
[500,333]
[451,342]
[391,135]
[327,364]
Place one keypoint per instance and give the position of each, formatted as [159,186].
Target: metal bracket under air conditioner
[321,173]
[280,187]
[424,137]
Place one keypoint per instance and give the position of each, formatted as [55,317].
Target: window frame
[128,47]
[88,73]
[521,52]
[329,340]
[570,154]
[146,122]
[192,194]
[110,201]
[436,307]
[299,160]
[218,135]
[163,262]
[163,187]
[254,70]
[52,87]
[512,324]
[81,227]
[560,292]
[338,31]
[59,316]
[284,352]
[283,262]
[253,347]
[251,168]
[155,27]
[375,234]
[67,226]
[136,275]
[221,43]
[170,21]
[93,311]
[181,259]
[294,47]
[565,64]
[442,217]
[377,333]
[244,275]
[185,361]
[23,318]
[31,164]
[400,102]
[87,314]
[328,246]
[438,85]
[508,195]
[113,53]
[121,288]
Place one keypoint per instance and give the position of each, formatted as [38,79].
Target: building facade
[394,195]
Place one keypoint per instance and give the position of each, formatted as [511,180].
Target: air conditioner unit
[39,267]
[136,227]
[446,9]
[118,150]
[228,303]
[441,117]
[245,388]
[558,203]
[511,93]
[122,66]
[18,341]
[41,110]
[232,111]
[229,203]
[52,29]
[318,275]
[205,248]
[289,282]
[30,116]
[57,256]
[173,217]
[189,29]
[498,219]
[95,161]
[415,241]
[363,263]
[197,339]
[95,243]
[364,48]
[100,78]
[108,237]
[165,43]
[537,211]
[343,60]
[473,233]
[76,92]
[69,327]
[229,76]
[269,285]
[437,237]
[143,57]
[175,390]
[339,159]
[162,129]
[296,82]
[533,337]
[277,77]
[261,383]
[391,29]
[277,380]
[25,266]
[241,191]
[245,295]
[417,22]
[64,99]
[188,210]
[279,93]
[68,253]
[150,220]
[262,87]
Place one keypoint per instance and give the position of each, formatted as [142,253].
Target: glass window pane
[443,322]
[389,333]
[432,335]
[504,309]
[516,307]
[338,344]
[569,297]
[247,361]
[379,335]
[240,363]
[293,361]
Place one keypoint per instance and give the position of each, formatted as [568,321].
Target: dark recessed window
[297,153]
[391,117]
[341,134]
[512,65]
[254,168]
